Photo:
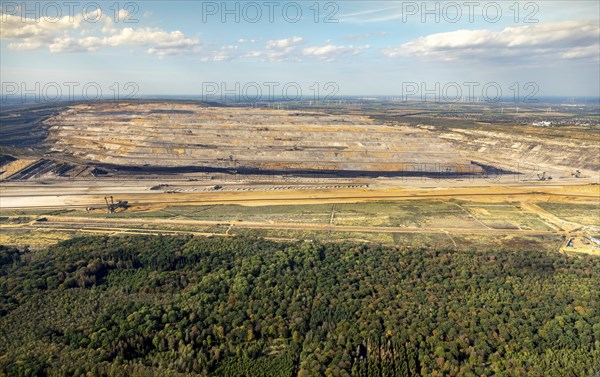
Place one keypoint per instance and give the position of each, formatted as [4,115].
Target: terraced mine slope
[185,134]
[547,149]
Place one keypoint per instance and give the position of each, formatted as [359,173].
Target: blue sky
[372,49]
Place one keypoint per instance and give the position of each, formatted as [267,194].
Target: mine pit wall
[422,170]
[250,139]
[24,127]
[46,169]
[191,138]
[507,150]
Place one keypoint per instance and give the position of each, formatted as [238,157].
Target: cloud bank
[559,40]
[64,35]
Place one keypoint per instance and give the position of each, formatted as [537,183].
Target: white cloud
[592,51]
[68,44]
[123,13]
[66,36]
[28,34]
[27,44]
[332,52]
[278,50]
[147,36]
[282,50]
[567,40]
[13,27]
[253,54]
[284,43]
[225,53]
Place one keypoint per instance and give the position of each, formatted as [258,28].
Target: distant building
[543,123]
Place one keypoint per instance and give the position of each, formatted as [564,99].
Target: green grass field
[585,214]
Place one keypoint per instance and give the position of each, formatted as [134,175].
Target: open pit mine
[193,136]
[141,139]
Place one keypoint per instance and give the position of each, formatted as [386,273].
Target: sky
[218,48]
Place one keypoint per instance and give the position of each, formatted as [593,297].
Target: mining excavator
[112,206]
[544,177]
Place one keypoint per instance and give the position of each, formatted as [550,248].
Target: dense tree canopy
[152,305]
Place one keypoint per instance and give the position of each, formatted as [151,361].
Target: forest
[237,306]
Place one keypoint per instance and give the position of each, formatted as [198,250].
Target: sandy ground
[12,167]
[36,196]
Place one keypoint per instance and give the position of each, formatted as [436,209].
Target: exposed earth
[67,164]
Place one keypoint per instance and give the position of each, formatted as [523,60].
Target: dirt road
[49,197]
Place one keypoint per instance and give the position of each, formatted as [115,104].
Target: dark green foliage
[166,306]
[8,255]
